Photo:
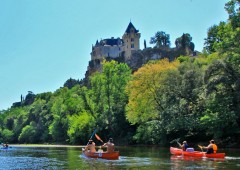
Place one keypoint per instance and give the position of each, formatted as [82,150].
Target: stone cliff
[138,59]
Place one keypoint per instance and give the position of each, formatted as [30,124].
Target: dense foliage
[161,39]
[193,98]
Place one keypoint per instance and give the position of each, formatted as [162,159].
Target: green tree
[69,109]
[166,98]
[222,104]
[211,39]
[7,135]
[146,106]
[28,134]
[182,102]
[224,38]
[58,127]
[39,113]
[185,42]
[71,83]
[10,123]
[108,98]
[79,124]
[161,39]
[233,9]
[29,99]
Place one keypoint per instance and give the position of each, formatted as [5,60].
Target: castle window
[132,45]
[132,39]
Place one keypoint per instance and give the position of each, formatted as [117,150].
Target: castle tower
[131,39]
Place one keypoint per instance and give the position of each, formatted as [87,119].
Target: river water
[131,158]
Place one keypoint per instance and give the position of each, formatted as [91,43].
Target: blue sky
[45,42]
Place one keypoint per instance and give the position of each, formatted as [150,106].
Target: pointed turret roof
[96,42]
[130,26]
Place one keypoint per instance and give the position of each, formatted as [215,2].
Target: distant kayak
[177,151]
[102,155]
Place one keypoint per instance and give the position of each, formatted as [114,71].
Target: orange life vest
[214,148]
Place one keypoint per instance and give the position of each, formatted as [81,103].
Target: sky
[43,43]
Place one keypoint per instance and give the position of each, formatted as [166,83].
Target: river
[131,158]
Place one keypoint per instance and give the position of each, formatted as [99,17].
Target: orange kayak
[102,155]
[177,151]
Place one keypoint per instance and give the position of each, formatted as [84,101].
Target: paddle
[92,135]
[201,147]
[98,138]
[179,144]
[176,140]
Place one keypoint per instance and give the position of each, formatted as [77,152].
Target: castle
[127,50]
[116,47]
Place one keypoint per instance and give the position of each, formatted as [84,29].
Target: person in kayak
[184,146]
[90,146]
[5,146]
[110,146]
[211,148]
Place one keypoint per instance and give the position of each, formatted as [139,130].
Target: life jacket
[214,148]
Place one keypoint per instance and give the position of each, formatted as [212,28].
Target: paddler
[211,148]
[90,146]
[109,145]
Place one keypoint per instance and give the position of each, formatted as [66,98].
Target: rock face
[141,57]
[136,60]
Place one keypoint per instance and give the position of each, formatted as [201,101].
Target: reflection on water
[204,163]
[232,158]
[22,158]
[124,162]
[27,158]
[194,162]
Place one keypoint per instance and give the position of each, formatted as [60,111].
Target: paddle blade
[98,138]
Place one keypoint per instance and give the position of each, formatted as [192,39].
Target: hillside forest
[191,98]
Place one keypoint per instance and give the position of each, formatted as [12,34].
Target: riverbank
[45,145]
